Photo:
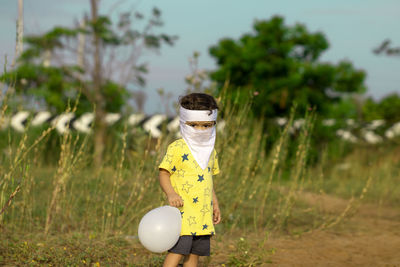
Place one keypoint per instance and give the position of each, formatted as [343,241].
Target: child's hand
[175,200]
[216,214]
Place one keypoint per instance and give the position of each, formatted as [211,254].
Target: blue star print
[209,169]
[205,226]
[185,157]
[182,213]
[196,199]
[193,234]
[174,169]
[201,178]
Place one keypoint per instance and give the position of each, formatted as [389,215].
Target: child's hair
[198,101]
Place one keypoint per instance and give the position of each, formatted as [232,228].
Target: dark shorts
[187,244]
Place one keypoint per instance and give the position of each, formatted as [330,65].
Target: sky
[353,28]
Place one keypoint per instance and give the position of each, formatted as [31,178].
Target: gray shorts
[188,244]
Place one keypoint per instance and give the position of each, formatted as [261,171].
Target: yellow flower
[97,264]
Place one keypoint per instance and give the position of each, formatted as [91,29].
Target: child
[186,178]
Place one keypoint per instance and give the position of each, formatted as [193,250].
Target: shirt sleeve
[168,161]
[215,169]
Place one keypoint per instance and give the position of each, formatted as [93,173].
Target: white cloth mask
[200,142]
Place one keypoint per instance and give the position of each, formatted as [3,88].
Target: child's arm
[216,211]
[174,199]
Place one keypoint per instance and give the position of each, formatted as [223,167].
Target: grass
[349,177]
[73,249]
[58,210]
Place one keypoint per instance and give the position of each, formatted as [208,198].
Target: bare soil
[370,237]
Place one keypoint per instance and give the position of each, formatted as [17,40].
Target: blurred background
[308,128]
[352,31]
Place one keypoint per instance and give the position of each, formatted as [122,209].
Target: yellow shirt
[194,185]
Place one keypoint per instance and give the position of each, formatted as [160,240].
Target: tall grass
[257,189]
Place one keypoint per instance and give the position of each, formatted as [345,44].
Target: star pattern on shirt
[191,220]
[201,178]
[181,173]
[199,220]
[207,192]
[168,158]
[196,164]
[179,143]
[205,209]
[186,187]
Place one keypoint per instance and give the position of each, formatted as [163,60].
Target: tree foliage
[388,109]
[280,64]
[57,65]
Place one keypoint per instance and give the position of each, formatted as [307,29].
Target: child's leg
[191,260]
[172,259]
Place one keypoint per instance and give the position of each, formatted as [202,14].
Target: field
[277,207]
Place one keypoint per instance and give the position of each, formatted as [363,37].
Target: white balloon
[160,228]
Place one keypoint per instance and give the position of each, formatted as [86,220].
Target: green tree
[97,57]
[388,109]
[279,64]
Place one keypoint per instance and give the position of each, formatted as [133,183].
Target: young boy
[186,178]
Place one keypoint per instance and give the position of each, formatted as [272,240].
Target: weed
[52,193]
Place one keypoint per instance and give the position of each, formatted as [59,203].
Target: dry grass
[257,191]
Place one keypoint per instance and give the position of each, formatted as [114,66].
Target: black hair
[198,101]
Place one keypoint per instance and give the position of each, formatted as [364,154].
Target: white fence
[152,124]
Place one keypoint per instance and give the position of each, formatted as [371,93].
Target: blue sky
[353,28]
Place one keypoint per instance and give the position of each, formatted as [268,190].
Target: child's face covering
[201,125]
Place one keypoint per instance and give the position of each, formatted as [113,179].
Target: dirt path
[332,249]
[370,238]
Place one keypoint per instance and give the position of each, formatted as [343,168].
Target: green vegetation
[386,109]
[57,67]
[59,210]
[281,65]
[93,64]
[63,205]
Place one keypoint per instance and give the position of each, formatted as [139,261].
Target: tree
[388,109]
[278,65]
[96,57]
